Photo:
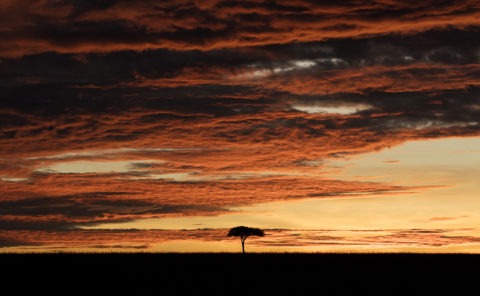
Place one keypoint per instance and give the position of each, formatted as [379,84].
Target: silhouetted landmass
[233,274]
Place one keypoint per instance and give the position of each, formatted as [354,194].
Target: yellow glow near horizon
[450,166]
[445,170]
[432,162]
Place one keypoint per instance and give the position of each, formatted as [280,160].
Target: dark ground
[237,274]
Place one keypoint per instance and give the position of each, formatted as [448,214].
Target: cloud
[334,108]
[7,241]
[63,26]
[73,202]
[103,239]
[85,167]
[440,219]
[278,238]
[118,110]
[400,238]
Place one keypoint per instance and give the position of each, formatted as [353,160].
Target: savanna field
[240,274]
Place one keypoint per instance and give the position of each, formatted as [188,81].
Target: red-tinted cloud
[124,25]
[147,239]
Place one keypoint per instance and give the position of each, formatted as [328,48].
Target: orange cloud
[65,27]
[398,78]
[277,238]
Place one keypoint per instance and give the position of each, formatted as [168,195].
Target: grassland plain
[238,274]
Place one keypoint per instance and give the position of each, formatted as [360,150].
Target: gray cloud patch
[67,212]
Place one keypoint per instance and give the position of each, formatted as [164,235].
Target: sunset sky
[335,126]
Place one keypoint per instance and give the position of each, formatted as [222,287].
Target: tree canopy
[244,232]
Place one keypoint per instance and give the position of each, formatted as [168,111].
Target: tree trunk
[243,246]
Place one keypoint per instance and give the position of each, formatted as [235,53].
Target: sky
[156,126]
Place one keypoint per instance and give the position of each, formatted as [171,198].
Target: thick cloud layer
[72,26]
[123,110]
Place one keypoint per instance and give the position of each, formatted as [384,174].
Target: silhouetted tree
[243,232]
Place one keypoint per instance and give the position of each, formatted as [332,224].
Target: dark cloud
[65,212]
[117,246]
[67,26]
[101,239]
[450,46]
[6,242]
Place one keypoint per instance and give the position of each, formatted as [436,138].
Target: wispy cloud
[147,240]
[65,26]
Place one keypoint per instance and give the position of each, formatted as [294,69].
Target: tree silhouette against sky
[244,232]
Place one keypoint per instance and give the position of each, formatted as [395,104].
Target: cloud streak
[65,26]
[147,240]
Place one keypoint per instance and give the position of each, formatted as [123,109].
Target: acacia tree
[244,232]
